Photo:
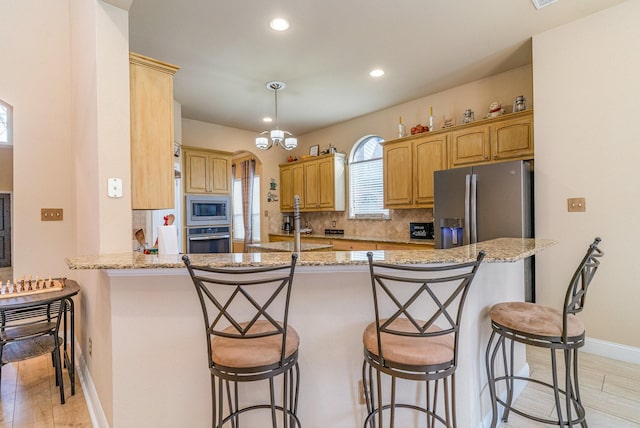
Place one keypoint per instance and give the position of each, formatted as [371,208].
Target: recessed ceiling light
[279,24]
[376,72]
[267,119]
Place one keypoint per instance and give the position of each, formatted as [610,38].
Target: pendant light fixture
[277,135]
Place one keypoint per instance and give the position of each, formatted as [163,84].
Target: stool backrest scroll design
[577,291]
[242,284]
[386,277]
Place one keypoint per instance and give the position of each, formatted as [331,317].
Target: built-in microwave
[208,210]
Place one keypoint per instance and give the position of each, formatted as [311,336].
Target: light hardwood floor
[610,391]
[29,397]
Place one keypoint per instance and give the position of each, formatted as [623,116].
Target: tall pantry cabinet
[151,91]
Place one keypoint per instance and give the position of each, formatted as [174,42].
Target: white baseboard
[98,418]
[517,390]
[612,350]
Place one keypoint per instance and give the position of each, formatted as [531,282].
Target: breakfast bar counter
[498,251]
[157,371]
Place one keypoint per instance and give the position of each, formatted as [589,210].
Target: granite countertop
[502,250]
[426,242]
[288,247]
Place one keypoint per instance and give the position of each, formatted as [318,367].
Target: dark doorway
[5,230]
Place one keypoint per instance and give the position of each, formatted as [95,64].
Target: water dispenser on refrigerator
[451,231]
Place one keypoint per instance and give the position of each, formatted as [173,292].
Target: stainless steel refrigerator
[479,203]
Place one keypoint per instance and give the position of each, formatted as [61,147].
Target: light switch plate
[114,186]
[51,214]
[576,205]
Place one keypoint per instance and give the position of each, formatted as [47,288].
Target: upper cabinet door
[430,155]
[512,139]
[195,172]
[470,145]
[207,171]
[398,174]
[327,177]
[286,188]
[151,97]
[297,172]
[311,185]
[220,173]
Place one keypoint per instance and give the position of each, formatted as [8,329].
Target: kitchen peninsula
[158,365]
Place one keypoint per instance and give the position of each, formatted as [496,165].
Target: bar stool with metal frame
[401,344]
[542,326]
[259,346]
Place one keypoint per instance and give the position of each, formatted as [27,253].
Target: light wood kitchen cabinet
[286,189]
[402,246]
[280,238]
[207,171]
[512,139]
[311,185]
[320,183]
[398,176]
[291,184]
[347,245]
[409,165]
[495,140]
[470,145]
[429,155]
[151,103]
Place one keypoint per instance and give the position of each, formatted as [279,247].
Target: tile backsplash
[396,227]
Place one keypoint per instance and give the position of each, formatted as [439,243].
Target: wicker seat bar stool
[249,339]
[542,326]
[414,337]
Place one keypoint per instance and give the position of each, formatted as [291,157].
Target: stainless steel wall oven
[212,239]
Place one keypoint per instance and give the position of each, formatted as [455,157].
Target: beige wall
[586,88]
[100,135]
[453,102]
[34,79]
[69,95]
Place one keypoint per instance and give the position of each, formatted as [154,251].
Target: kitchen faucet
[296,222]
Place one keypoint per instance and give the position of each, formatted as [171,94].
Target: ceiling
[227,52]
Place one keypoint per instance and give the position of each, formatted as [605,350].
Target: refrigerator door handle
[467,190]
[474,208]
